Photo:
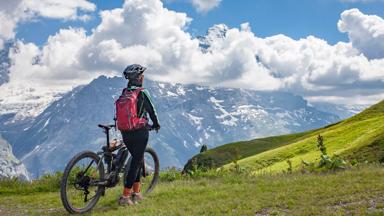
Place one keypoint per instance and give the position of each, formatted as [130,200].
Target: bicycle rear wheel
[149,171]
[80,187]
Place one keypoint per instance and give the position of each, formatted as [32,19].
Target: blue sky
[294,18]
[156,35]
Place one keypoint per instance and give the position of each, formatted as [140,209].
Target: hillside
[360,137]
[357,191]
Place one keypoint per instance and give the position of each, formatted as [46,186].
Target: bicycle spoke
[81,186]
[89,166]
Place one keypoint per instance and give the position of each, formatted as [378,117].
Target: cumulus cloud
[54,64]
[15,11]
[9,11]
[204,6]
[68,9]
[145,32]
[366,32]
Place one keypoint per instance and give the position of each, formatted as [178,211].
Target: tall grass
[47,183]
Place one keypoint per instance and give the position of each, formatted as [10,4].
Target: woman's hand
[156,127]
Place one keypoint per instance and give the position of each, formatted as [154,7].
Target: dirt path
[9,212]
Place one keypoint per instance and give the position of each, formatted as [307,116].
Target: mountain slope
[190,116]
[360,137]
[354,136]
[9,165]
[351,137]
[230,152]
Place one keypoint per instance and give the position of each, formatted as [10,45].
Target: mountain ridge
[190,116]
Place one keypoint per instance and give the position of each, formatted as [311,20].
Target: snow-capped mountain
[26,102]
[213,35]
[190,115]
[342,110]
[10,166]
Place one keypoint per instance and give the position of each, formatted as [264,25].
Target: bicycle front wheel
[149,170]
[80,187]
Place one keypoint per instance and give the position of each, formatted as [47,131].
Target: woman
[136,140]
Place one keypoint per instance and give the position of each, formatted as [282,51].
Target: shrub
[326,162]
[199,163]
[170,175]
[289,169]
[203,148]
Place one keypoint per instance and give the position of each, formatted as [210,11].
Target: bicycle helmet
[133,71]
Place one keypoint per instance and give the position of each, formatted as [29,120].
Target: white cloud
[366,32]
[68,9]
[204,6]
[145,32]
[9,16]
[15,11]
[55,64]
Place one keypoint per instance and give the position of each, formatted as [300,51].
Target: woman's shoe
[126,201]
[137,197]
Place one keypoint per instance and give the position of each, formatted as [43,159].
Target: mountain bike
[88,174]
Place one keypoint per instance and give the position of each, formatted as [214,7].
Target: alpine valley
[190,116]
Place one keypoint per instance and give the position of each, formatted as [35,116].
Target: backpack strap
[124,90]
[138,90]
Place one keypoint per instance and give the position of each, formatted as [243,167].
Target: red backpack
[126,111]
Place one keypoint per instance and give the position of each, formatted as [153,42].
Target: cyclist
[136,140]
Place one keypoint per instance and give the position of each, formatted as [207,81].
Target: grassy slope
[360,137]
[353,192]
[224,154]
[230,152]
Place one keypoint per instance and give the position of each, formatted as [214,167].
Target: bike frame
[107,151]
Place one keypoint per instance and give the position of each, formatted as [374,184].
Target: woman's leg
[138,177]
[136,143]
[137,185]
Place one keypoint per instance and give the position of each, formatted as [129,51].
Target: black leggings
[136,142]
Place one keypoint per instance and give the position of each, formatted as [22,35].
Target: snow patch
[180,90]
[195,119]
[228,119]
[171,94]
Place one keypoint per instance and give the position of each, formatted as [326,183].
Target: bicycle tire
[156,169]
[63,185]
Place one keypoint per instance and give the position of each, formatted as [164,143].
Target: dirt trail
[6,211]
